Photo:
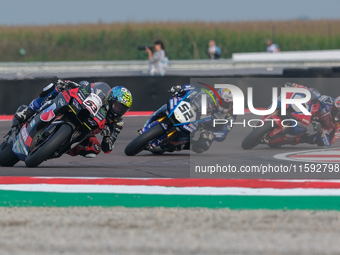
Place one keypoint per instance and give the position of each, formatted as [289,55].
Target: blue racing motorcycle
[169,128]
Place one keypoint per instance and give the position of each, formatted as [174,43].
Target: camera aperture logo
[295,97]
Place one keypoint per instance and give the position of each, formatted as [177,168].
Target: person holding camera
[214,52]
[158,60]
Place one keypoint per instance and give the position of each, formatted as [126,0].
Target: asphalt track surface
[115,164]
[147,165]
[96,230]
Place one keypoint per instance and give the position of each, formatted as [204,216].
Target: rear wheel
[254,138]
[140,142]
[7,156]
[49,148]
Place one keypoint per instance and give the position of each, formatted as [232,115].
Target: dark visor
[119,108]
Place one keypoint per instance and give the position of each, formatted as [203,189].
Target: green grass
[182,40]
[21,198]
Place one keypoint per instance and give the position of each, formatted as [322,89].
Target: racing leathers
[208,133]
[90,147]
[326,125]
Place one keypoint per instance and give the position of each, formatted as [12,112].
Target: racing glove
[107,144]
[62,85]
[108,141]
[207,135]
[221,115]
[176,90]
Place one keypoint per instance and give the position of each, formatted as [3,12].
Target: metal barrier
[140,68]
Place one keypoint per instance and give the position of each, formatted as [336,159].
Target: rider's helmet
[196,101]
[226,97]
[315,94]
[335,111]
[119,101]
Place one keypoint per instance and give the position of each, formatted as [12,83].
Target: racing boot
[203,143]
[89,148]
[185,146]
[307,138]
[22,115]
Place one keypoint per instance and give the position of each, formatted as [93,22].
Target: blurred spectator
[214,52]
[272,47]
[158,60]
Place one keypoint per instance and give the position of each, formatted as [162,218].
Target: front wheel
[7,156]
[140,142]
[49,148]
[254,138]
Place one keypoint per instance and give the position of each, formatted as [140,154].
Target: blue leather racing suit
[208,133]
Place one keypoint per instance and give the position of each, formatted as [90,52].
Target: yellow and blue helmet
[119,100]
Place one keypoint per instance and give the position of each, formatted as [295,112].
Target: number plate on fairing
[184,113]
[93,103]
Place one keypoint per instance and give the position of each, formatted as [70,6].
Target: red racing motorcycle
[57,127]
[276,130]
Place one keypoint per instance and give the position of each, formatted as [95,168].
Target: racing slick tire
[7,156]
[49,147]
[141,141]
[254,138]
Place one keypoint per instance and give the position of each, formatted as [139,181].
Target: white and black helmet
[226,97]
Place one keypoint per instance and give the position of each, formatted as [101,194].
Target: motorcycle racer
[208,133]
[326,121]
[116,103]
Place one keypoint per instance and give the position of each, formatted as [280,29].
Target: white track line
[284,156]
[160,190]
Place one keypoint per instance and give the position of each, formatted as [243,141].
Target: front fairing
[86,107]
[183,114]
